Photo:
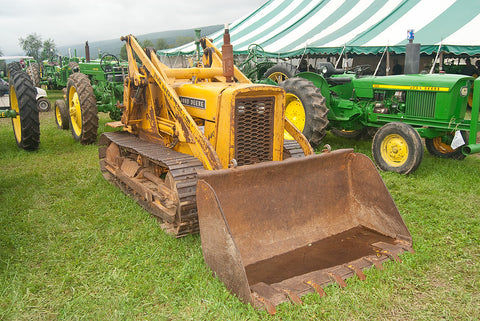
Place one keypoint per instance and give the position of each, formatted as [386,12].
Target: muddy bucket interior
[275,231]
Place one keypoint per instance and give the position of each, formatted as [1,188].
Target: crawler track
[161,180]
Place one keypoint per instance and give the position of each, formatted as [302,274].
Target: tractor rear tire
[305,107]
[437,147]
[82,107]
[397,147]
[26,126]
[281,72]
[73,65]
[13,67]
[61,114]
[33,72]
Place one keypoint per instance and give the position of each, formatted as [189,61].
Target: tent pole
[339,57]
[387,71]
[436,57]
[381,58]
[440,63]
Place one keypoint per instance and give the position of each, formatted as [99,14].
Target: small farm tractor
[94,86]
[397,111]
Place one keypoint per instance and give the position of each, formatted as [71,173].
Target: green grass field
[73,247]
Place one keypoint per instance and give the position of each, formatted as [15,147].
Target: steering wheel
[106,59]
[255,50]
[360,69]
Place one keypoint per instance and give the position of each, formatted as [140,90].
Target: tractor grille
[254,129]
[420,104]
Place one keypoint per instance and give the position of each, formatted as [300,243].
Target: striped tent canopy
[289,28]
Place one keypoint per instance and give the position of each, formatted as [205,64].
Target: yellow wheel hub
[394,150]
[294,112]
[17,125]
[278,77]
[75,111]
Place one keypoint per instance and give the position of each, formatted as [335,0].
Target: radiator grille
[254,130]
[420,104]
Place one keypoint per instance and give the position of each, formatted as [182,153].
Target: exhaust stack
[227,53]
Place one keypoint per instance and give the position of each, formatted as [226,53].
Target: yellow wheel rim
[441,146]
[75,111]
[278,77]
[17,125]
[294,112]
[394,150]
[58,116]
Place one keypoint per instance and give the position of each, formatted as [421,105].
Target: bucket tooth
[374,262]
[317,287]
[357,271]
[269,293]
[390,250]
[335,277]
[292,296]
[264,303]
[405,246]
[392,255]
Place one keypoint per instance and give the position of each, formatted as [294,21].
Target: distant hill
[113,46]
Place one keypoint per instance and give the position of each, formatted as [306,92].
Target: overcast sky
[71,22]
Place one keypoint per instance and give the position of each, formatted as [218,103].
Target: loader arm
[299,137]
[201,147]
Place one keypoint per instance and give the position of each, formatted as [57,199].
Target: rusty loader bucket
[275,231]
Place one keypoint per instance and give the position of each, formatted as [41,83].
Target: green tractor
[396,110]
[96,86]
[55,72]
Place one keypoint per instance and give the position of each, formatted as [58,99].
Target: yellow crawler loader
[203,149]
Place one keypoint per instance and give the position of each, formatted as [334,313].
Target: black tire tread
[27,105]
[411,136]
[88,105]
[63,122]
[33,72]
[288,70]
[316,111]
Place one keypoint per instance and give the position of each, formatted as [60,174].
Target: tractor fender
[319,82]
[41,93]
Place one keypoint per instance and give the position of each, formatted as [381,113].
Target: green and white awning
[286,28]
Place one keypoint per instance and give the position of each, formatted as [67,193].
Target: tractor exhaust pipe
[87,52]
[227,54]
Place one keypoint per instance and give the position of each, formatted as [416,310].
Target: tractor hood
[365,86]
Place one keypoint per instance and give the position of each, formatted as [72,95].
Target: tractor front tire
[61,114]
[440,146]
[397,147]
[280,72]
[305,107]
[43,104]
[82,107]
[26,126]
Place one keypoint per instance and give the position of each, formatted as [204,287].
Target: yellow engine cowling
[243,122]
